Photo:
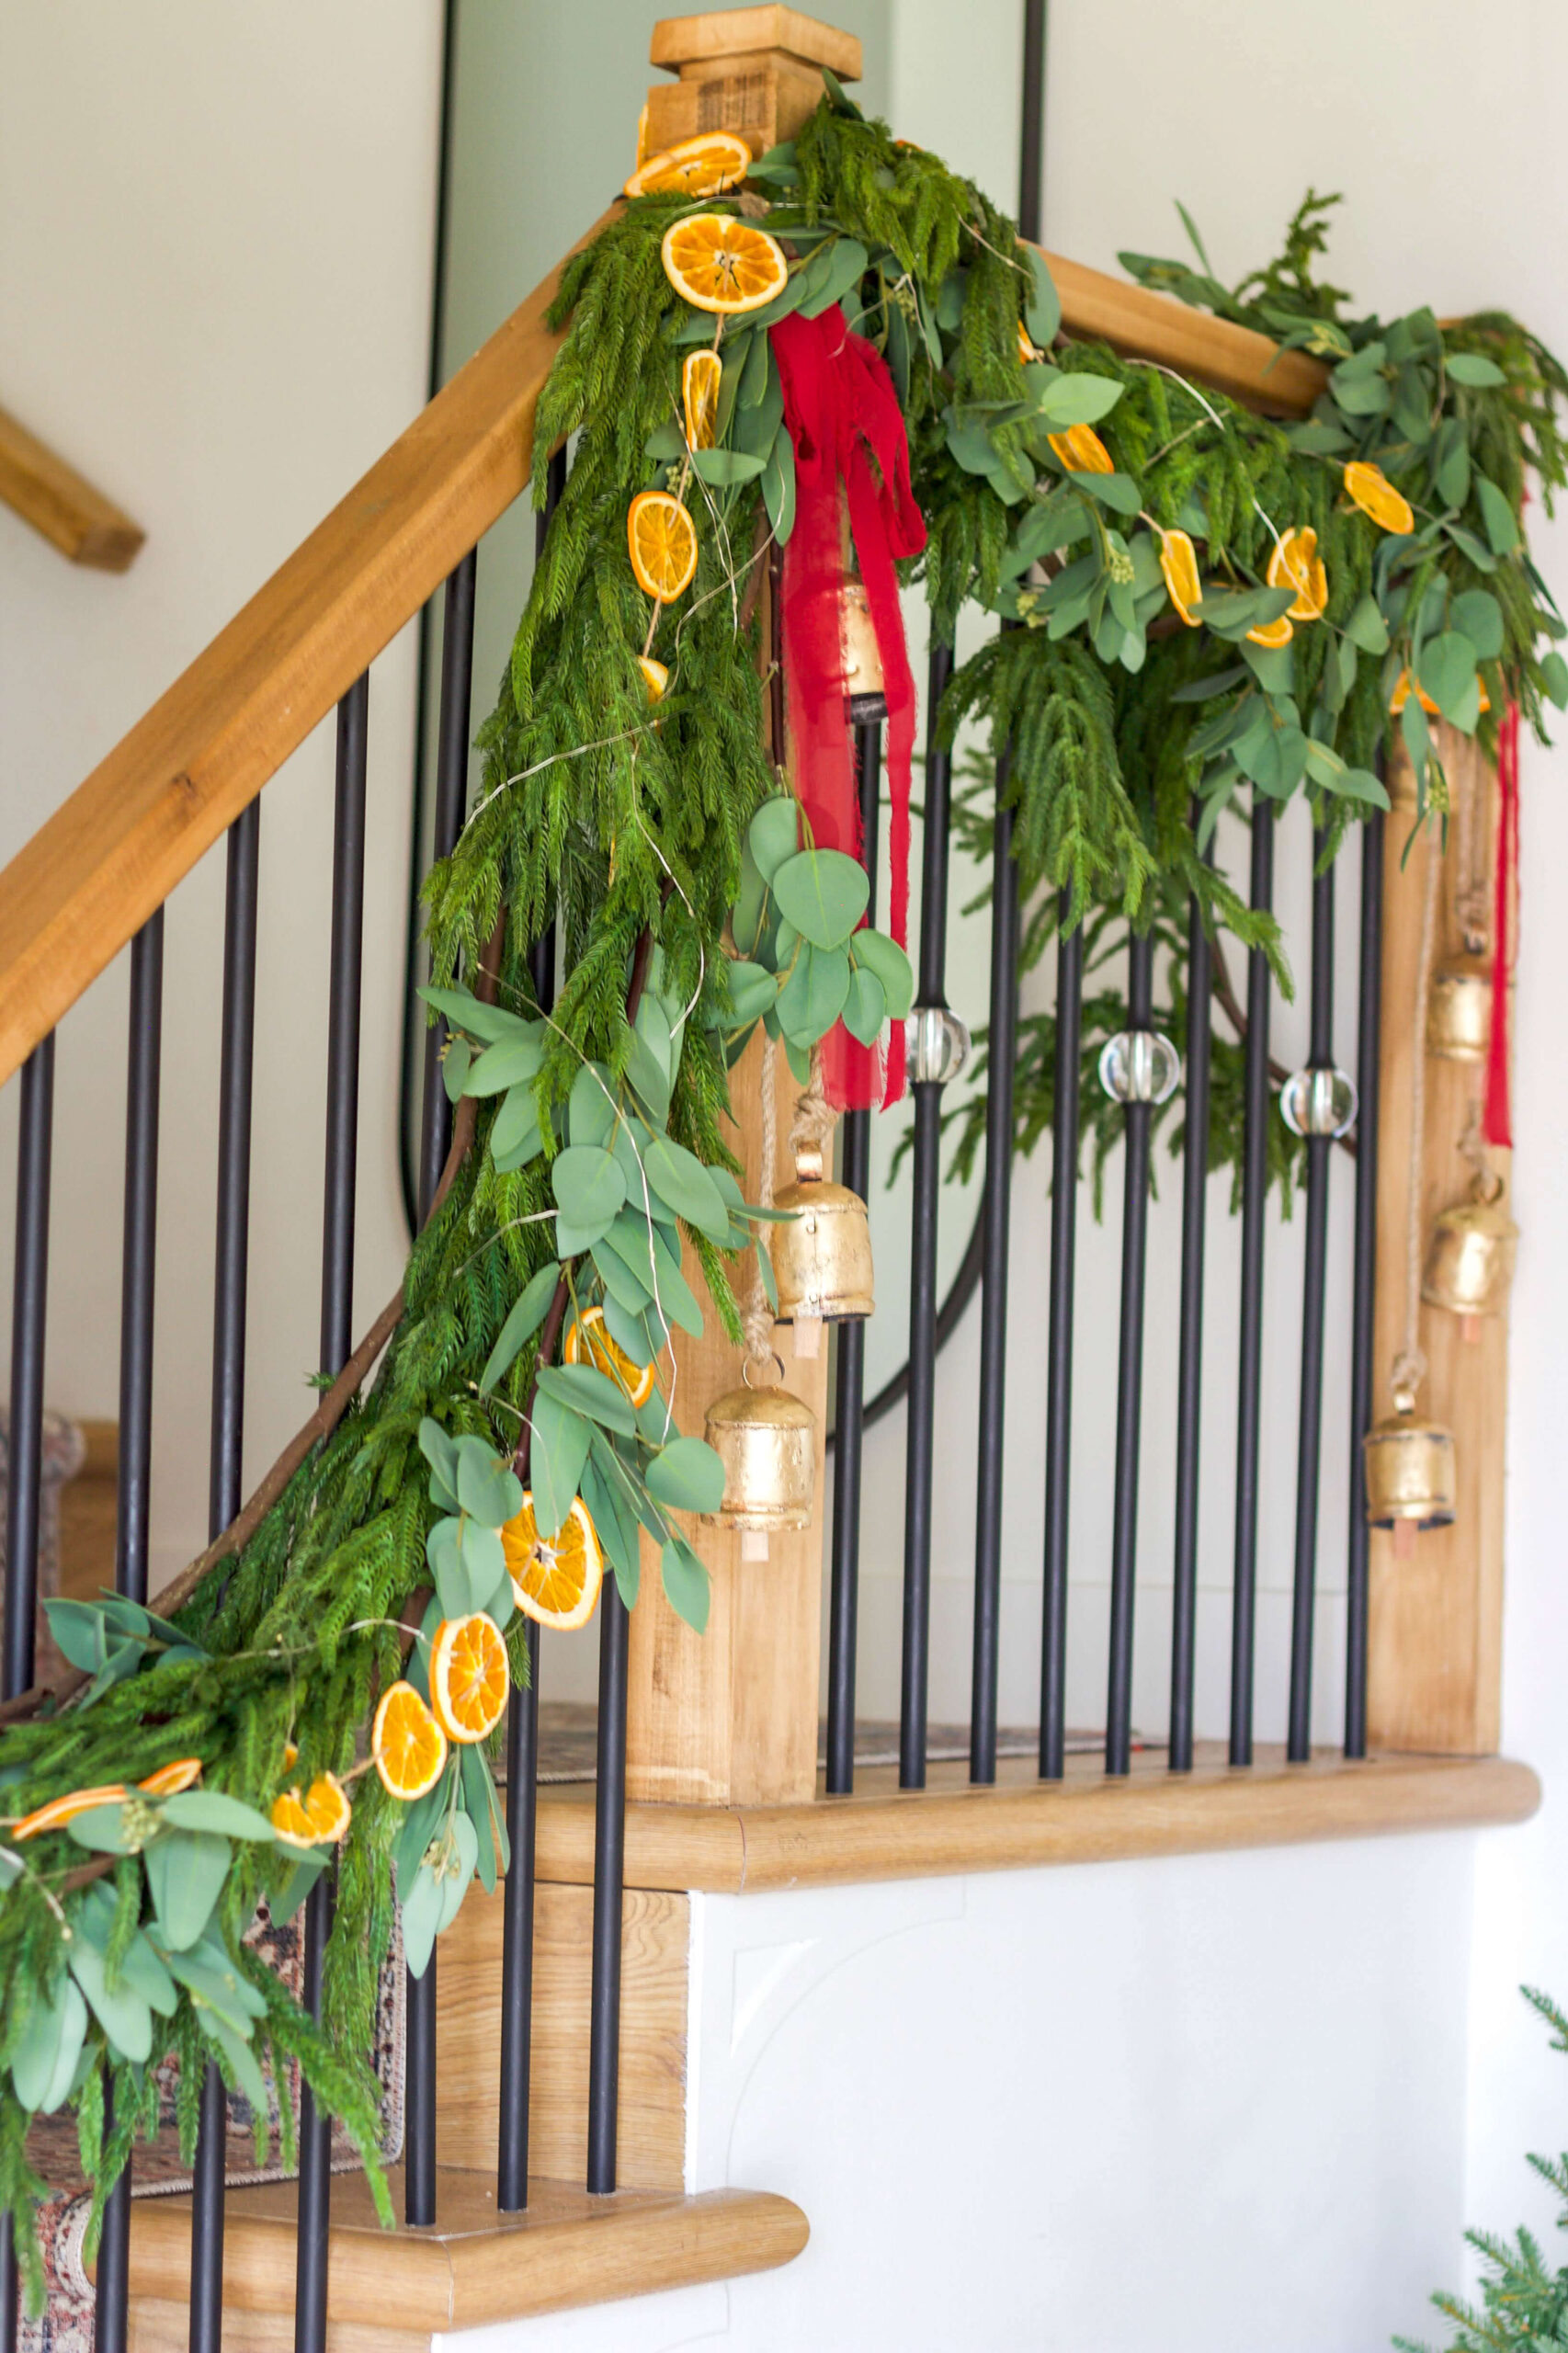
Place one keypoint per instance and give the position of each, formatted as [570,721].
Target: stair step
[475,2267]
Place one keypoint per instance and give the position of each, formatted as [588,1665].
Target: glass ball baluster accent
[936,1045]
[1139,1066]
[1319,1101]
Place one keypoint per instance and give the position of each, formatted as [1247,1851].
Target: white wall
[215,248]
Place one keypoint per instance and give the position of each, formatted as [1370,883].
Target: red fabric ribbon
[847,428]
[1497,1123]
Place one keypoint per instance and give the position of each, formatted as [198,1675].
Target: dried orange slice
[715,160]
[554,1578]
[468,1677]
[60,1811]
[656,674]
[1273,633]
[587,1342]
[662,538]
[1376,495]
[1028,350]
[1082,451]
[1297,564]
[170,1780]
[699,381]
[1401,696]
[643,137]
[1178,561]
[717,263]
[319,1818]
[407,1743]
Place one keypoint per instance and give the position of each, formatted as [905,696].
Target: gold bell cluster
[766,1441]
[821,1256]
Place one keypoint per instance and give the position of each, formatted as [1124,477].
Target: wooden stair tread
[883,1832]
[477,2265]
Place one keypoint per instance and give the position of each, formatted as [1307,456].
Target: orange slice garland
[662,538]
[1273,633]
[1373,492]
[700,381]
[1178,561]
[717,263]
[705,165]
[587,1342]
[60,1811]
[1297,564]
[555,1579]
[1082,451]
[319,1818]
[170,1780]
[468,1677]
[407,1743]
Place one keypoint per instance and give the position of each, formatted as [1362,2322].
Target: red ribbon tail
[1497,1123]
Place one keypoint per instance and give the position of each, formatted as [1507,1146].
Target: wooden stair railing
[62,505]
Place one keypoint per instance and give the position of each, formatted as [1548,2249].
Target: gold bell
[1470,1260]
[1459,1008]
[1409,1467]
[862,656]
[766,1441]
[821,1255]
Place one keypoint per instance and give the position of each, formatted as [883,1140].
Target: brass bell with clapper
[1458,1009]
[766,1441]
[1469,1259]
[1409,1467]
[821,1255]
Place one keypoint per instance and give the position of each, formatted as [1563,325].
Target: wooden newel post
[1434,1642]
[730,1716]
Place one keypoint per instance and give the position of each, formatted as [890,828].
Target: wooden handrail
[91,876]
[61,503]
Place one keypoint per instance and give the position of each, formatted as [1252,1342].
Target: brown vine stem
[334,1404]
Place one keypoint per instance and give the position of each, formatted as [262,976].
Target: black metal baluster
[226,1470]
[451,790]
[1309,1444]
[1059,1349]
[522,1745]
[25,1463]
[1001,1054]
[1136,1119]
[1189,1374]
[848,1427]
[310,2249]
[451,793]
[1369,1048]
[1257,1109]
[138,1259]
[926,1177]
[610,1856]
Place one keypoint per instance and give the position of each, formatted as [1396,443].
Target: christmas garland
[325,1683]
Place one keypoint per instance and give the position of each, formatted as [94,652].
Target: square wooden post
[754,70]
[1434,1667]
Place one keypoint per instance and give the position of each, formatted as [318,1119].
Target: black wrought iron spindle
[1309,1441]
[226,1477]
[1136,1118]
[848,1426]
[310,2248]
[609,1857]
[996,1212]
[138,1259]
[522,1749]
[436,1130]
[1368,1049]
[1189,1372]
[920,1427]
[1257,1109]
[451,791]
[1059,1349]
[25,1461]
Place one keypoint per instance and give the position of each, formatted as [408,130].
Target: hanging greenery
[1208,605]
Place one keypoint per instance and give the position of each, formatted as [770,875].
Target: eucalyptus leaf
[1119,492]
[556,1457]
[874,952]
[505,1064]
[590,1186]
[527,1314]
[1360,784]
[1042,308]
[1554,678]
[614,1522]
[421,1912]
[723,469]
[1367,627]
[1446,670]
[442,1456]
[515,1135]
[813,996]
[590,1107]
[1502,526]
[464,1840]
[1077,400]
[243,2065]
[43,2063]
[1479,617]
[686,1583]
[779,488]
[213,1809]
[774,835]
[687,1475]
[865,1008]
[679,1178]
[584,1390]
[823,894]
[78,1627]
[1471,367]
